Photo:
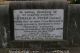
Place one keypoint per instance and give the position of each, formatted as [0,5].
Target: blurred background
[69,1]
[75,49]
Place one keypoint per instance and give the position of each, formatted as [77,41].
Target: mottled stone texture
[4,24]
[74,24]
[37,5]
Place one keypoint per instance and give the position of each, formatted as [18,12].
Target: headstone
[38,20]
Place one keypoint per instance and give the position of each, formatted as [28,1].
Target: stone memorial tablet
[38,24]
